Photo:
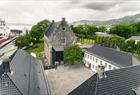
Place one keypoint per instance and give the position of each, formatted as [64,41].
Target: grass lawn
[87,41]
[38,48]
[137,56]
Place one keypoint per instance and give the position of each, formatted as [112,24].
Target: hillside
[126,19]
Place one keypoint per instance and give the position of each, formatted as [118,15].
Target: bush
[73,54]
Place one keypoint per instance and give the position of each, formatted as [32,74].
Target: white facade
[93,62]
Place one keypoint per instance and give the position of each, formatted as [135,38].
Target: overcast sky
[31,11]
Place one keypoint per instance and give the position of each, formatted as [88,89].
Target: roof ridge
[97,78]
[14,83]
[112,49]
[29,76]
[46,30]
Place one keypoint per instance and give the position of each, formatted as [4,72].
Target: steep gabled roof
[118,58]
[28,74]
[1,70]
[60,35]
[52,27]
[83,89]
[125,81]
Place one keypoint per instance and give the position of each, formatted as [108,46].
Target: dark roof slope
[28,74]
[118,58]
[52,27]
[83,88]
[1,70]
[125,81]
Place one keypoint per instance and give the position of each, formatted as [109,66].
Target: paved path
[65,78]
[9,49]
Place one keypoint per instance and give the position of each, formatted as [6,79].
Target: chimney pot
[101,71]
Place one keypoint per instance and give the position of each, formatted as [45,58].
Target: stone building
[58,36]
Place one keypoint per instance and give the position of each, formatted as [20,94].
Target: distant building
[15,32]
[125,81]
[135,38]
[4,29]
[103,56]
[57,37]
[23,74]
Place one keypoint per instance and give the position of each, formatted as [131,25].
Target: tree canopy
[73,54]
[123,30]
[37,31]
[34,35]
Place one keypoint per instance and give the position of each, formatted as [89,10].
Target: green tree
[79,29]
[102,29]
[73,54]
[123,30]
[129,46]
[137,26]
[91,29]
[37,31]
[138,48]
[22,41]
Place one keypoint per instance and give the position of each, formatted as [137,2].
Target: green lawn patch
[137,57]
[38,48]
[87,41]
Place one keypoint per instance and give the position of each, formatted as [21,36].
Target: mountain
[125,19]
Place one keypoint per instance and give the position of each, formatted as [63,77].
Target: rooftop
[119,58]
[28,74]
[125,81]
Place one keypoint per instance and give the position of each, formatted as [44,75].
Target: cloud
[101,6]
[32,11]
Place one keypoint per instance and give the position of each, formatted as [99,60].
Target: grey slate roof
[118,58]
[1,70]
[135,38]
[60,35]
[28,74]
[52,27]
[125,81]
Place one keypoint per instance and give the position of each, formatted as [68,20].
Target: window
[101,62]
[90,57]
[114,68]
[93,66]
[85,55]
[85,61]
[109,66]
[96,68]
[93,58]
[96,60]
[105,64]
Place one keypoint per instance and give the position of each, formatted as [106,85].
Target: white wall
[95,61]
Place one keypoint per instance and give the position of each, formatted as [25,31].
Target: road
[9,49]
